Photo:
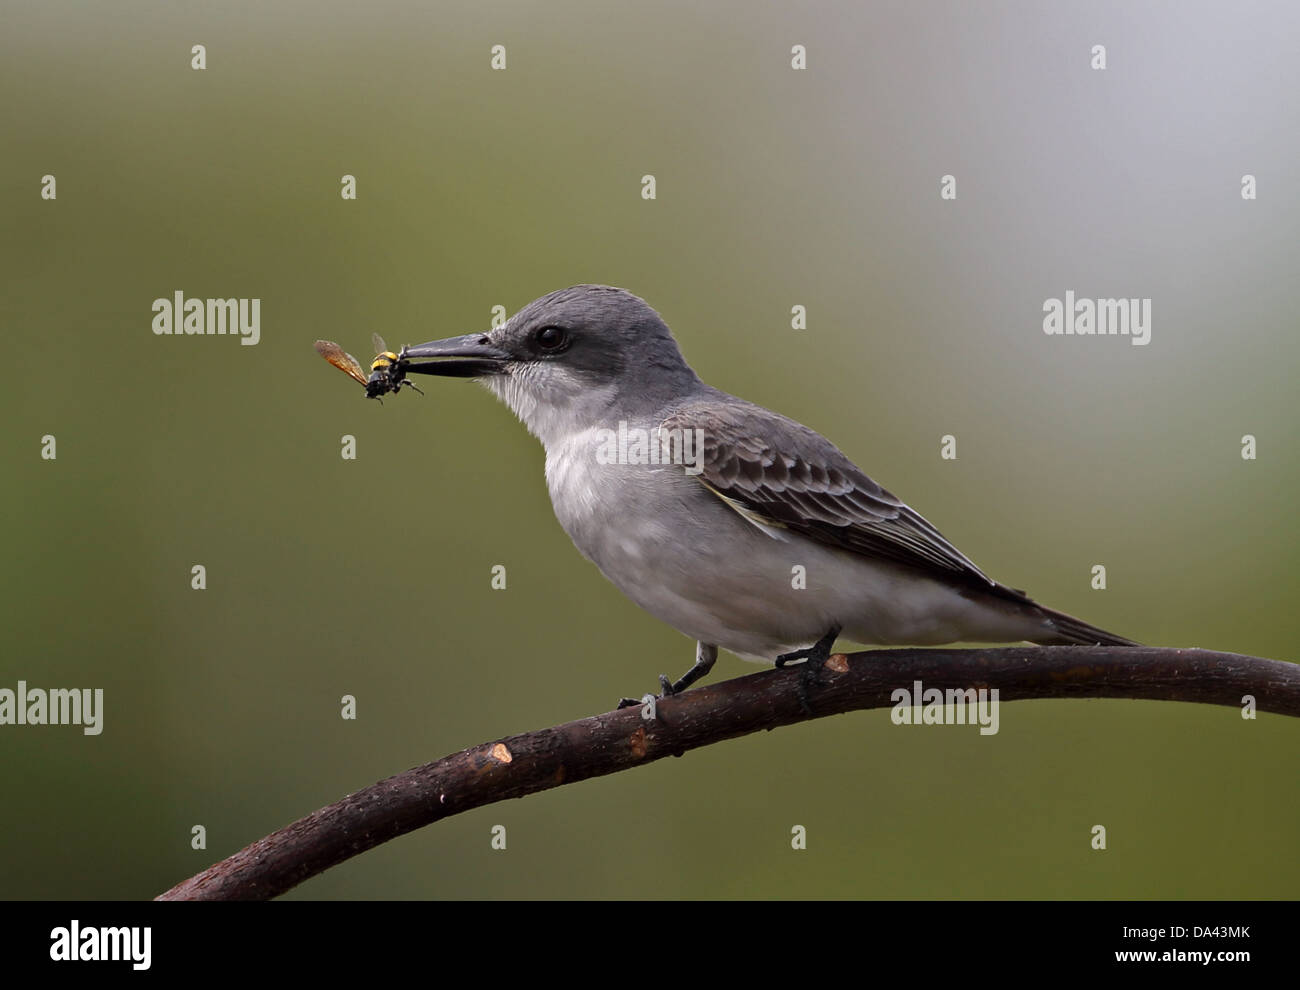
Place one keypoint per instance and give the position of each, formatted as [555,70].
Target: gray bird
[764,539]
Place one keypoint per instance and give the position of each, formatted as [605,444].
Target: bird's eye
[551,338]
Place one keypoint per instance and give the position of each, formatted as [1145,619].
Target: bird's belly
[686,557]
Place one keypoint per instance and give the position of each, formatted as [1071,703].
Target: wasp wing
[341,359]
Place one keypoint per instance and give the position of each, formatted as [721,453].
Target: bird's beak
[470,356]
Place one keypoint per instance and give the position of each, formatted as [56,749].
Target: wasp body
[387,370]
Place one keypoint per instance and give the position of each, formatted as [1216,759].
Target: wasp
[387,370]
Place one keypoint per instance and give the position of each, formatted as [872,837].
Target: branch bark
[619,740]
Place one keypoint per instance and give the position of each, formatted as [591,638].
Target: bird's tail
[1076,631]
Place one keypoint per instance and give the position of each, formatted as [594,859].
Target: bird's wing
[776,472]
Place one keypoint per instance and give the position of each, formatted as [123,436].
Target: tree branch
[618,740]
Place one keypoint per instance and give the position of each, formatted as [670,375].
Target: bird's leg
[706,654]
[817,654]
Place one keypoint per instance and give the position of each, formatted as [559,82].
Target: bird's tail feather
[1076,631]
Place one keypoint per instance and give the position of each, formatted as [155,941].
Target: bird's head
[573,359]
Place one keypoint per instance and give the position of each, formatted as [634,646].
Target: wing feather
[777,472]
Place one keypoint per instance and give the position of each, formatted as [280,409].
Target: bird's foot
[705,656]
[815,658]
[666,687]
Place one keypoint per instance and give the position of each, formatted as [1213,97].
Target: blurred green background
[775,187]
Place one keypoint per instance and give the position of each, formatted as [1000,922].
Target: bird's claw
[668,690]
